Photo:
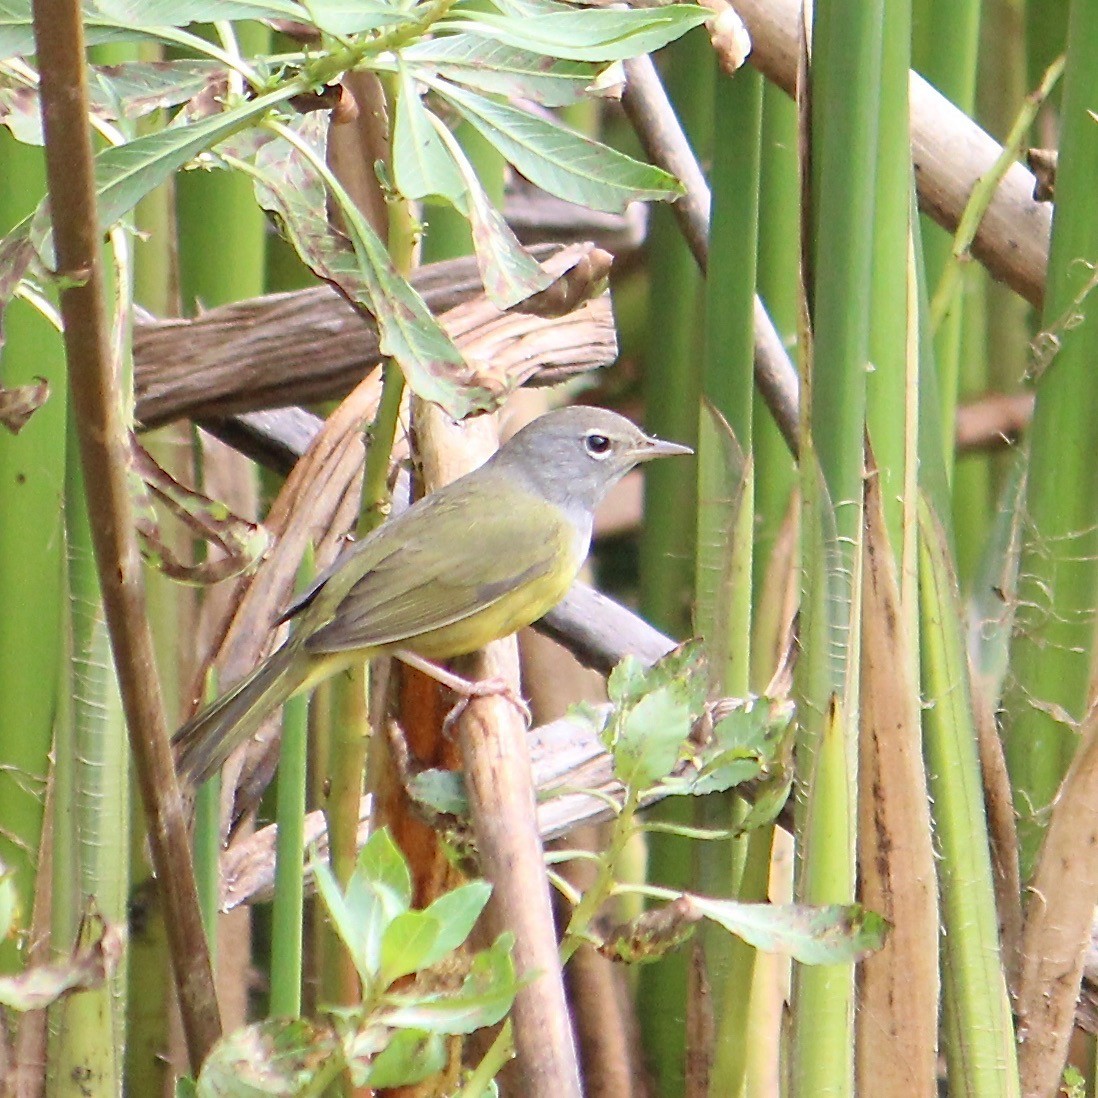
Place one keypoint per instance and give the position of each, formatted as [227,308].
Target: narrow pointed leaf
[559,160]
[589,34]
[457,912]
[137,88]
[422,164]
[127,20]
[353,16]
[492,66]
[510,274]
[358,265]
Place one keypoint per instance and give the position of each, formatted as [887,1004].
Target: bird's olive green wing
[441,564]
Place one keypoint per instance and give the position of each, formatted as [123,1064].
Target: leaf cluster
[495,67]
[415,991]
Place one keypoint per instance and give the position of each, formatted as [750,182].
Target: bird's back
[473,561]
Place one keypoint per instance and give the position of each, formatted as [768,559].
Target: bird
[472,562]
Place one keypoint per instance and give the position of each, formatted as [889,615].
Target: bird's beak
[656,448]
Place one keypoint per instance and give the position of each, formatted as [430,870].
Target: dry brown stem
[59,40]
[1058,917]
[897,1018]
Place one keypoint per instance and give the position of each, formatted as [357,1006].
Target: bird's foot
[466,689]
[483,688]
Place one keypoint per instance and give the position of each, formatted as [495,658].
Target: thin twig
[59,39]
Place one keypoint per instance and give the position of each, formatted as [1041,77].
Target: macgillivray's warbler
[475,561]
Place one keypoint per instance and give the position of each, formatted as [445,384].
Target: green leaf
[768,801]
[649,741]
[725,771]
[353,16]
[586,34]
[509,273]
[491,66]
[557,159]
[137,88]
[685,665]
[427,160]
[594,718]
[178,13]
[741,746]
[628,681]
[456,912]
[350,931]
[377,894]
[288,184]
[422,165]
[381,863]
[22,114]
[287,1057]
[126,20]
[126,173]
[655,709]
[412,1055]
[485,997]
[441,790]
[829,935]
[408,940]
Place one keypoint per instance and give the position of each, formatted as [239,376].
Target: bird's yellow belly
[507,615]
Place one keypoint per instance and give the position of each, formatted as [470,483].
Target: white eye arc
[597,445]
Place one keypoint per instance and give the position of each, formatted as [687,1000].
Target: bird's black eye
[597,445]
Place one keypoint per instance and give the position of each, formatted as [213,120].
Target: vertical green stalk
[724,592]
[978,1034]
[91,826]
[672,387]
[726,528]
[91,830]
[672,374]
[845,99]
[222,232]
[1053,646]
[945,49]
[978,1039]
[32,542]
[1007,318]
[289,896]
[778,262]
[892,388]
[170,607]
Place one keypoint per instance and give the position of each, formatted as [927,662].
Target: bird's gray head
[573,456]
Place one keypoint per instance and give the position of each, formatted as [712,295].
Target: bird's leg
[467,689]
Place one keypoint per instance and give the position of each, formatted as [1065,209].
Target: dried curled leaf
[242,543]
[20,402]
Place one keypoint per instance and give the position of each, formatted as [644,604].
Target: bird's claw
[485,688]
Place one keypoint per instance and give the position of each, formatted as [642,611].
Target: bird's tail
[212,734]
